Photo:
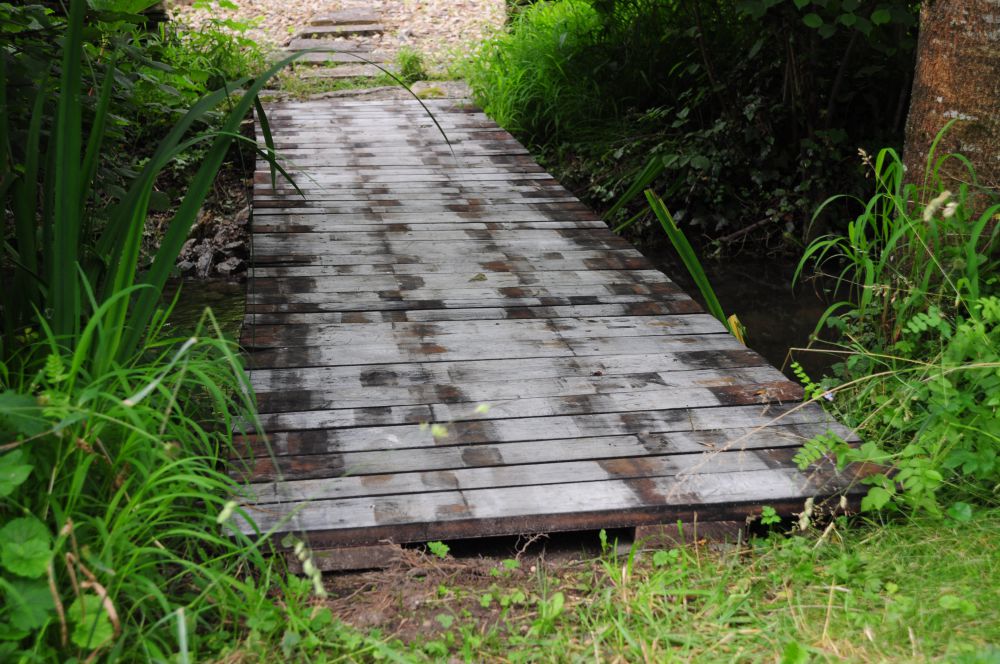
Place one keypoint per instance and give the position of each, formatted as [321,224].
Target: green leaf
[25,547]
[13,473]
[29,603]
[20,414]
[827,30]
[961,512]
[801,4]
[794,653]
[700,162]
[881,16]
[439,549]
[876,499]
[812,20]
[92,627]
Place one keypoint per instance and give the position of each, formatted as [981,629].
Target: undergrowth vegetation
[744,115]
[114,436]
[920,376]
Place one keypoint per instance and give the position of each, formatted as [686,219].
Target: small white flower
[828,395]
[226,513]
[949,210]
[936,204]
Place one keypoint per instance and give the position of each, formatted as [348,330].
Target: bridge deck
[571,385]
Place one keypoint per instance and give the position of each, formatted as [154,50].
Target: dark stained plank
[303,472]
[408,436]
[583,504]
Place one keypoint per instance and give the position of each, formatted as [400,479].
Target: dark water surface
[759,291]
[226,298]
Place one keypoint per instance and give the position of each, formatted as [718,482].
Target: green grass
[916,590]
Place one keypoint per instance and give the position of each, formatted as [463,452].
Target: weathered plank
[341,30]
[496,393]
[409,436]
[615,502]
[301,471]
[345,17]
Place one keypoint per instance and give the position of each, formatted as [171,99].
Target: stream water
[226,298]
[759,291]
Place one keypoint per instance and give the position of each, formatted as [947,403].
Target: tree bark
[957,78]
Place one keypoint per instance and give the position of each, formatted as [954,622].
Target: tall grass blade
[652,170]
[688,256]
[65,295]
[180,224]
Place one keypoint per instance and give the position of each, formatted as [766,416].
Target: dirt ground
[433,27]
[493,584]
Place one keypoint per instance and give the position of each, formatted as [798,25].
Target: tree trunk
[957,77]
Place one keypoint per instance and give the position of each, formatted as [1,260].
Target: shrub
[744,113]
[921,375]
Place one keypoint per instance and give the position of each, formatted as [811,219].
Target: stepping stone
[341,30]
[344,45]
[325,58]
[345,71]
[345,17]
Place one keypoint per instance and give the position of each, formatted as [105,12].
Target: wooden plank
[409,436]
[347,334]
[692,396]
[492,263]
[345,17]
[496,393]
[302,472]
[396,230]
[488,256]
[435,285]
[415,374]
[510,474]
[620,502]
[340,30]
[328,356]
[393,304]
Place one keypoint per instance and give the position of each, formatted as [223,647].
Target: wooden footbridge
[446,344]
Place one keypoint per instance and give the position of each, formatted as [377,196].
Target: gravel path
[436,28]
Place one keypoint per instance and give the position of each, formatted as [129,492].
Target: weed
[921,334]
[439,549]
[411,66]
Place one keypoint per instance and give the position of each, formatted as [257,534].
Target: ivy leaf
[827,30]
[813,20]
[25,547]
[92,627]
[799,4]
[29,603]
[881,16]
[13,473]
